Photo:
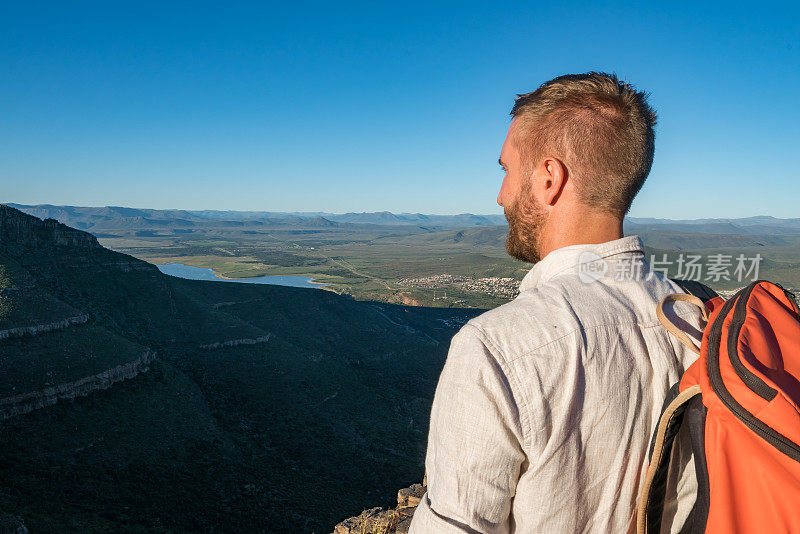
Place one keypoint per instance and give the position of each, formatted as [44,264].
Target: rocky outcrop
[408,300]
[235,303]
[131,264]
[379,521]
[235,342]
[27,402]
[17,227]
[35,330]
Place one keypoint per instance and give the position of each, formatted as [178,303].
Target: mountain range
[100,217]
[115,217]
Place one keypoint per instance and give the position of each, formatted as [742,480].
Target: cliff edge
[18,227]
[379,521]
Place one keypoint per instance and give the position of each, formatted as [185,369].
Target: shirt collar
[566,258]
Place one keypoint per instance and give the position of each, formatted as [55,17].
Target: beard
[526,219]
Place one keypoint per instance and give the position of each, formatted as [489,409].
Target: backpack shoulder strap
[693,287]
[682,336]
[651,501]
[697,294]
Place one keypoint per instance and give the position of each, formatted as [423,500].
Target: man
[545,406]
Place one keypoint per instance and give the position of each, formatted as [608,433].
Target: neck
[579,227]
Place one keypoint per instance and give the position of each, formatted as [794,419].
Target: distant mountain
[101,217]
[452,221]
[493,237]
[98,218]
[761,225]
[321,222]
[462,231]
[758,220]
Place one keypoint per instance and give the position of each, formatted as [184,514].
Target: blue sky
[370,107]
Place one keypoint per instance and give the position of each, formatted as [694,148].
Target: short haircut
[600,128]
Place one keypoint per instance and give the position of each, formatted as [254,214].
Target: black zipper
[776,439]
[737,321]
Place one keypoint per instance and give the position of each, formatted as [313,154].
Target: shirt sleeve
[474,445]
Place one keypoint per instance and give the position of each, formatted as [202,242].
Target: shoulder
[567,311]
[536,318]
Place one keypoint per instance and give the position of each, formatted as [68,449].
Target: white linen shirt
[544,409]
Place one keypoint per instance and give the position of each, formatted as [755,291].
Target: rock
[374,520]
[410,496]
[42,328]
[380,521]
[19,227]
[404,525]
[236,342]
[27,402]
[408,300]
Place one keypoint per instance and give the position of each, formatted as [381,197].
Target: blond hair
[600,128]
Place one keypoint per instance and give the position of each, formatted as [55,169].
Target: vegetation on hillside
[281,436]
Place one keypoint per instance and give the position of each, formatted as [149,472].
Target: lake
[203,273]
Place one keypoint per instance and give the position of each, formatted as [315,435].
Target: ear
[554,179]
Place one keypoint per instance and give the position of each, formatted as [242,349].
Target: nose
[500,193]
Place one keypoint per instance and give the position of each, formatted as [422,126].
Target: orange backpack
[740,405]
